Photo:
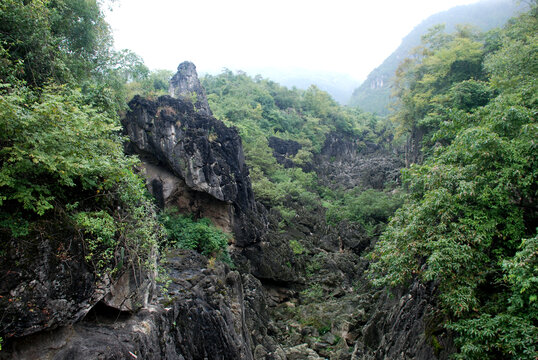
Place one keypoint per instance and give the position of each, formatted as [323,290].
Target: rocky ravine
[280,303]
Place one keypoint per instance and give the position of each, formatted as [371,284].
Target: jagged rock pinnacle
[185,84]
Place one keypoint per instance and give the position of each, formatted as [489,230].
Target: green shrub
[296,247]
[313,293]
[315,264]
[368,208]
[201,235]
[101,240]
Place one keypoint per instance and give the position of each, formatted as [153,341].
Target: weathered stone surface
[270,259]
[344,163]
[302,352]
[404,326]
[200,152]
[45,282]
[185,84]
[170,190]
[132,290]
[283,150]
[209,312]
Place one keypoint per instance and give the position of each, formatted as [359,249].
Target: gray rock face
[283,149]
[344,163]
[197,148]
[209,312]
[171,191]
[42,287]
[185,84]
[201,152]
[46,283]
[404,325]
[302,352]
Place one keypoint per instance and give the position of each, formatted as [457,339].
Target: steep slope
[374,93]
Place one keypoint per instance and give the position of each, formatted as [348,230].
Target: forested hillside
[469,105]
[266,112]
[374,95]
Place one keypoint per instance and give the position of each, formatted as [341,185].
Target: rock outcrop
[283,150]
[194,162]
[63,311]
[185,84]
[46,283]
[347,163]
[207,312]
[403,324]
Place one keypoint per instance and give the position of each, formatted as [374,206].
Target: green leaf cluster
[53,142]
[369,207]
[184,232]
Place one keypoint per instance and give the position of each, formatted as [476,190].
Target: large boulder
[45,282]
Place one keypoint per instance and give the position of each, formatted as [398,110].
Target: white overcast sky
[344,36]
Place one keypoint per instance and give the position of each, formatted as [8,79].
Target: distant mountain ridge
[374,93]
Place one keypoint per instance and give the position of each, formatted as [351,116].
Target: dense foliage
[470,221]
[369,207]
[184,232]
[445,73]
[374,95]
[55,40]
[61,158]
[260,109]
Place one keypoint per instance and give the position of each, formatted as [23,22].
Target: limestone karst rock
[46,283]
[185,84]
[192,160]
[208,311]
